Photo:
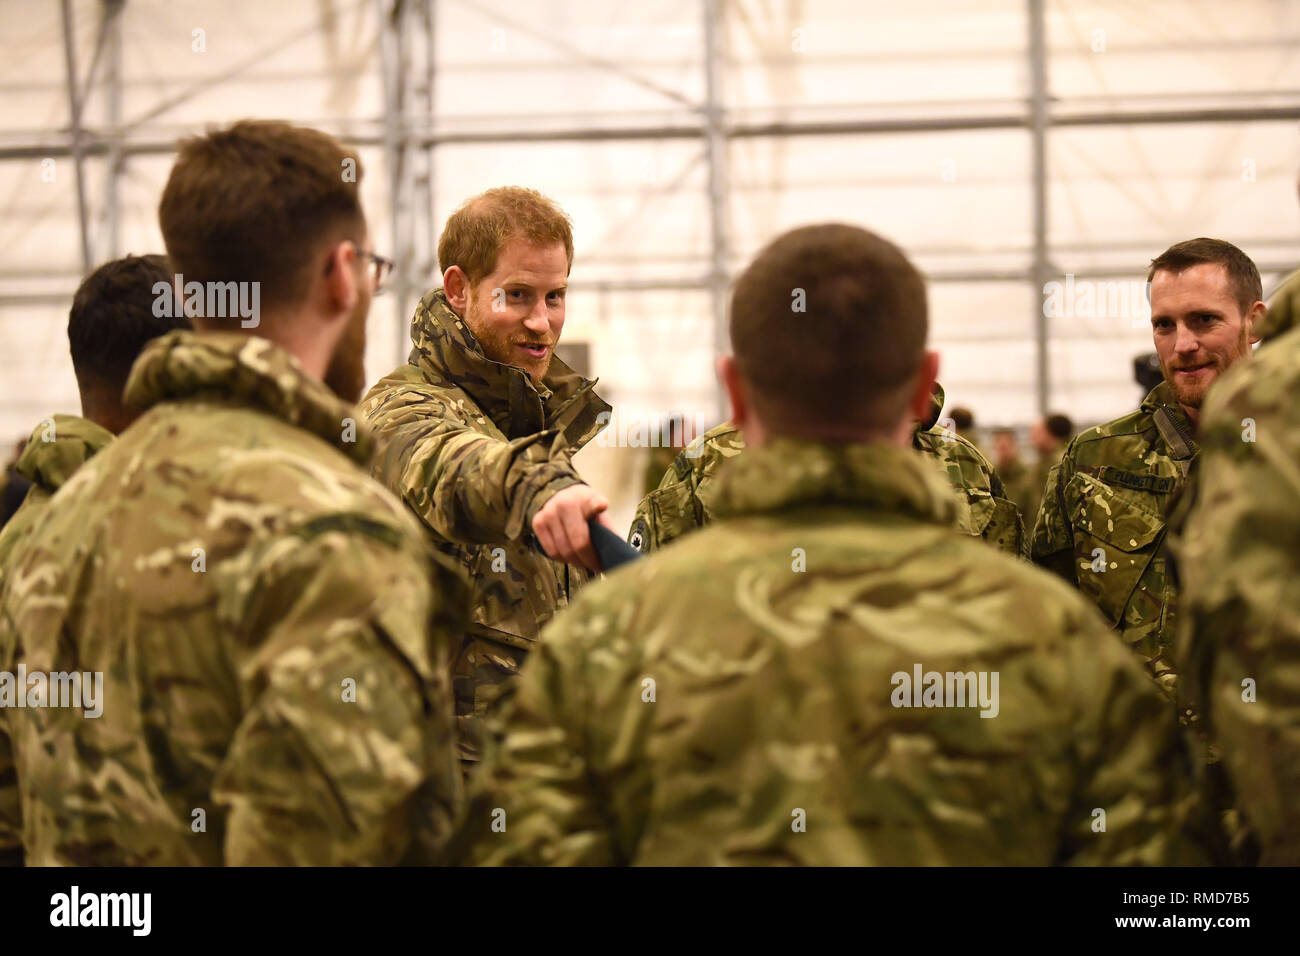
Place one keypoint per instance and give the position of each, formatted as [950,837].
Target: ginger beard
[500,341]
[1190,379]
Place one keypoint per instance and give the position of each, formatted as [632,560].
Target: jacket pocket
[670,513]
[1115,540]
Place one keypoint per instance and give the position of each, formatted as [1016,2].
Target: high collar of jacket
[936,409]
[445,350]
[787,473]
[1163,395]
[58,447]
[245,370]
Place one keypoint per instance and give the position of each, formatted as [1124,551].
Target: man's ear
[1253,318]
[341,277]
[919,405]
[741,413]
[455,284]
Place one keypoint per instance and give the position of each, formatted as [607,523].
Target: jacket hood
[445,350]
[245,370]
[58,447]
[786,473]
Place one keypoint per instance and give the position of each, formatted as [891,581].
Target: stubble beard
[1193,396]
[498,344]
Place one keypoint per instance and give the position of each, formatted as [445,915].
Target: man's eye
[557,296]
[517,293]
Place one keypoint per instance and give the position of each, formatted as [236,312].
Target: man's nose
[1186,340]
[538,321]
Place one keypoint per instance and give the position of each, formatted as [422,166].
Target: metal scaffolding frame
[409,134]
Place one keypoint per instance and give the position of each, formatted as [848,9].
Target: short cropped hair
[476,232]
[963,418]
[1243,276]
[828,326]
[257,202]
[1059,426]
[113,317]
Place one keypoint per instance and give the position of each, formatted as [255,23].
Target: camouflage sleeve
[11,818]
[1136,801]
[467,487]
[345,750]
[1239,640]
[667,513]
[1051,542]
[549,793]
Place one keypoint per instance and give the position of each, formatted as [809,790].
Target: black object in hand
[610,548]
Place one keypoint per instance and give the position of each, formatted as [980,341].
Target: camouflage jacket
[475,449]
[684,499]
[272,660]
[59,446]
[1283,309]
[1239,563]
[742,697]
[1103,520]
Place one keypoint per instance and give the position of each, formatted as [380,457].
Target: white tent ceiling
[926,121]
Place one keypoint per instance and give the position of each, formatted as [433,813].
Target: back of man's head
[963,419]
[1059,427]
[113,317]
[260,202]
[828,326]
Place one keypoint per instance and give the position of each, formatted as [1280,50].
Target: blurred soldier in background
[673,438]
[111,320]
[963,422]
[683,500]
[1016,476]
[251,613]
[479,427]
[1103,519]
[1049,437]
[745,696]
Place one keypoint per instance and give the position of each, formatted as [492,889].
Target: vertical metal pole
[431,100]
[390,47]
[78,151]
[716,142]
[113,173]
[1039,122]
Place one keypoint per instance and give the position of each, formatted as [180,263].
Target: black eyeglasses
[381,268]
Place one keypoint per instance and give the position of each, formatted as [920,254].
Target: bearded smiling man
[1102,524]
[479,427]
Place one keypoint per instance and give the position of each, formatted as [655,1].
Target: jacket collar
[786,473]
[1175,428]
[445,350]
[58,447]
[244,370]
